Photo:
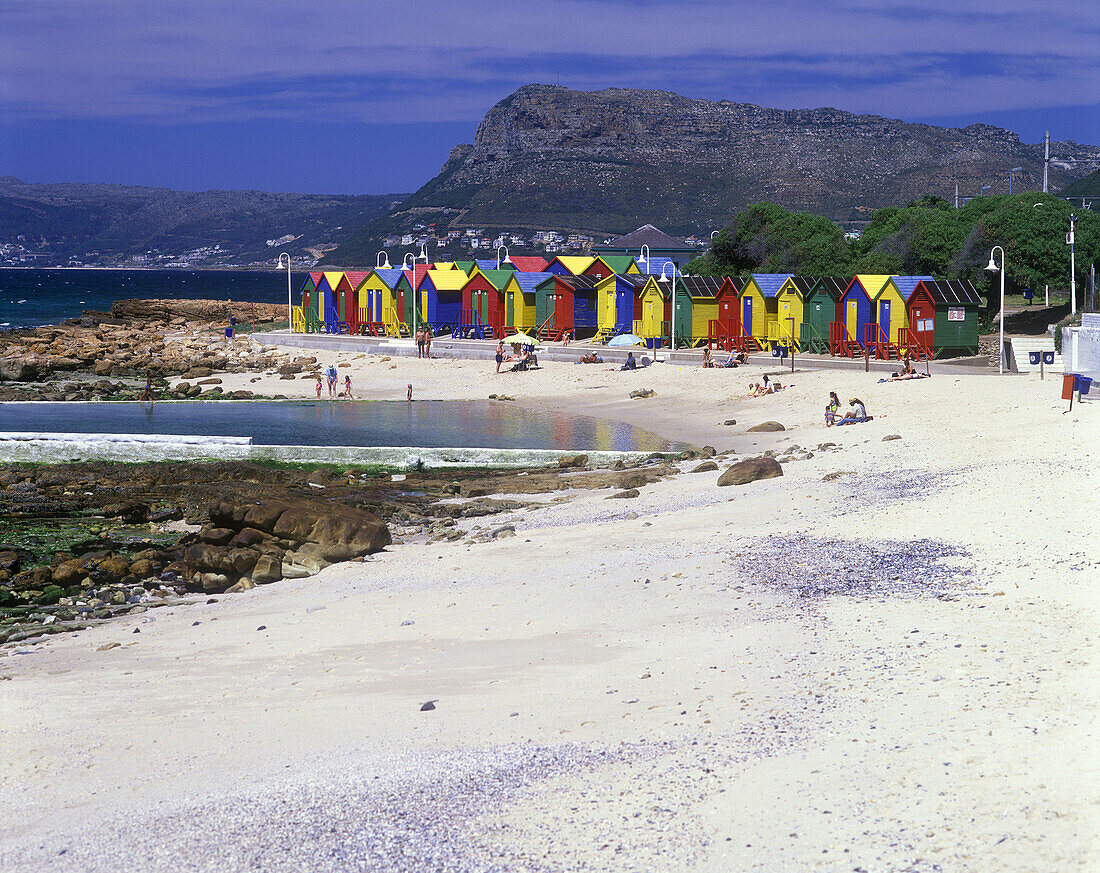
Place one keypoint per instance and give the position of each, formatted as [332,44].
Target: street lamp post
[1072,266]
[1010,172]
[289,301]
[992,267]
[984,189]
[672,308]
[379,257]
[643,254]
[507,259]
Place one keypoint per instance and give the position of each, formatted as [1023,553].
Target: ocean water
[427,424]
[29,298]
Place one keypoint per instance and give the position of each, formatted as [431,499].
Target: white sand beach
[894,669]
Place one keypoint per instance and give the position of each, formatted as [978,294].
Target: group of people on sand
[333,378]
[734,359]
[424,341]
[759,389]
[856,414]
[906,372]
[525,359]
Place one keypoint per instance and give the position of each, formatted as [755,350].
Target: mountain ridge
[608,161]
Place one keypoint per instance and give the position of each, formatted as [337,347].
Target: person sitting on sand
[857,413]
[908,370]
[590,358]
[707,362]
[832,409]
[630,363]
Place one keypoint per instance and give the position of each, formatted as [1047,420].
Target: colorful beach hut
[566,304]
[358,305]
[310,311]
[520,300]
[955,305]
[759,307]
[653,308]
[789,303]
[615,296]
[483,303]
[391,292]
[856,327]
[820,301]
[695,307]
[726,331]
[439,294]
[891,314]
[601,268]
[333,289]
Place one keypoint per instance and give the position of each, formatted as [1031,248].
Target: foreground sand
[626,684]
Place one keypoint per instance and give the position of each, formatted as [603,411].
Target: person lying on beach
[735,360]
[590,358]
[857,414]
[832,409]
[903,376]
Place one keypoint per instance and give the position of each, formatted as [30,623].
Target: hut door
[510,308]
[884,319]
[400,305]
[851,320]
[746,317]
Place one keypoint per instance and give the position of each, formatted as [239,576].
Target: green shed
[957,305]
[819,302]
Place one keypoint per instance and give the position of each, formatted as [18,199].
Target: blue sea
[29,298]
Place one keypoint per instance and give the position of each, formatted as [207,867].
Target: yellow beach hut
[790,307]
[759,305]
[891,307]
[569,265]
[519,300]
[652,310]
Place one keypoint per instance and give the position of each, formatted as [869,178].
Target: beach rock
[832,477]
[268,569]
[21,369]
[891,436]
[708,451]
[750,470]
[216,536]
[566,461]
[642,393]
[766,427]
[705,467]
[629,494]
[729,422]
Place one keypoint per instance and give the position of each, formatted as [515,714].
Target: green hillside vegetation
[927,237]
[1086,187]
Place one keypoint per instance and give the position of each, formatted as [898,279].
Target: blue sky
[357,96]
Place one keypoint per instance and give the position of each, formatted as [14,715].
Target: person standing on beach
[332,377]
[410,392]
[147,394]
[420,342]
[500,354]
[318,387]
[428,341]
[347,386]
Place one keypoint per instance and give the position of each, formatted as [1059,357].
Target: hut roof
[871,284]
[529,263]
[770,283]
[357,277]
[575,263]
[579,283]
[833,286]
[956,291]
[653,265]
[906,285]
[498,278]
[448,280]
[390,277]
[467,267]
[528,282]
[701,286]
[803,284]
[484,264]
[617,263]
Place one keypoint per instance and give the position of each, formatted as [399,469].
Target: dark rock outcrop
[751,470]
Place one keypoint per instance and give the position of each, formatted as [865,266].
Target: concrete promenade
[484,350]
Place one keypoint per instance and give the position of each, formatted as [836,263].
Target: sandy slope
[625,684]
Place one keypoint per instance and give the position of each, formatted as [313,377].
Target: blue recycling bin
[232,320]
[1083,384]
[1048,358]
[1028,294]
[1033,358]
[229,333]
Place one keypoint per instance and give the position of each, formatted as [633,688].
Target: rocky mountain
[608,161]
[46,224]
[1086,187]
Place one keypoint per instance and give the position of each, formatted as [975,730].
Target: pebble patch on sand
[811,567]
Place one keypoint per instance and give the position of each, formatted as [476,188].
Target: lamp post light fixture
[382,256]
[671,308]
[289,302]
[992,267]
[643,254]
[507,259]
[1072,265]
[1010,172]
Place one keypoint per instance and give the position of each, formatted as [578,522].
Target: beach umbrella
[626,339]
[520,339]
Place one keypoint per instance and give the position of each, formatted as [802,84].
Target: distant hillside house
[660,245]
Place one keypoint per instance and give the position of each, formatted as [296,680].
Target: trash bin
[1048,358]
[1084,383]
[229,333]
[1033,358]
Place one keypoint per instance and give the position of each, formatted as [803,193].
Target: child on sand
[347,386]
[832,409]
[318,387]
